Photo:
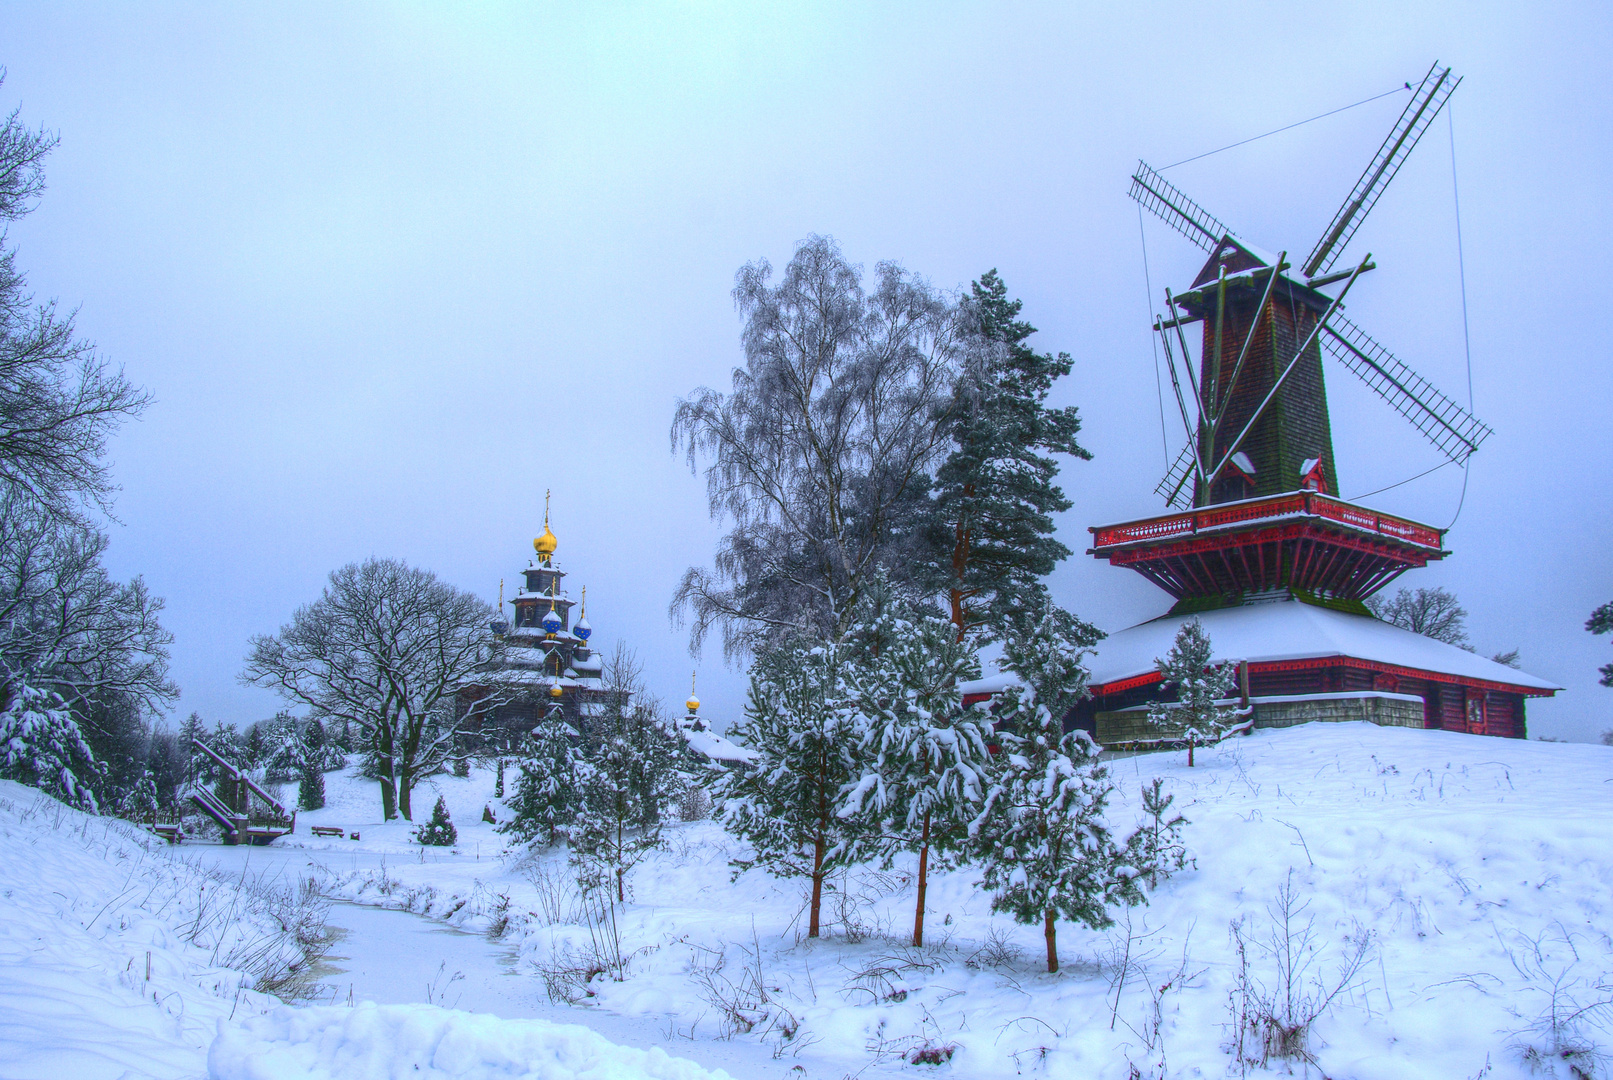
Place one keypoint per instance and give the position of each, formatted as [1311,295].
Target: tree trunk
[960,566]
[405,787]
[389,797]
[924,884]
[1051,933]
[1189,755]
[817,885]
[621,888]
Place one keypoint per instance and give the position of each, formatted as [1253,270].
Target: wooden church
[1259,546]
[545,664]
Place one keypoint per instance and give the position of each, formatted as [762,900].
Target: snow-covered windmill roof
[1292,630]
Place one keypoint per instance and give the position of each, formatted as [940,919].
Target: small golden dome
[545,544]
[555,691]
[693,703]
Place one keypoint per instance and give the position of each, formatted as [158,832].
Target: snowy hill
[1465,878]
[1451,893]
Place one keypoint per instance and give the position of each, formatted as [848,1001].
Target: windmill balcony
[1299,540]
[1271,508]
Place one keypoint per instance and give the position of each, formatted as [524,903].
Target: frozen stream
[394,958]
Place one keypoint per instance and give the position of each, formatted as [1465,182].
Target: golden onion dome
[545,544]
[693,703]
[555,691]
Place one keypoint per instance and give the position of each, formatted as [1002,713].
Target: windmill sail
[1168,204]
[1420,111]
[1452,429]
[1175,489]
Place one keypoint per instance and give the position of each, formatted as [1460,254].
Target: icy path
[395,957]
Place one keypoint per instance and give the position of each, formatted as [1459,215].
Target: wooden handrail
[1291,504]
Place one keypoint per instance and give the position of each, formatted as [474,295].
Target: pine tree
[190,731]
[439,831]
[799,719]
[922,754]
[1041,837]
[1600,622]
[544,802]
[995,494]
[311,788]
[632,773]
[1199,686]
[41,745]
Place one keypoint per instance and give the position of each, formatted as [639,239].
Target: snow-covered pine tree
[633,772]
[922,755]
[995,493]
[552,769]
[1199,685]
[1156,847]
[439,831]
[41,745]
[799,719]
[191,730]
[311,788]
[1041,837]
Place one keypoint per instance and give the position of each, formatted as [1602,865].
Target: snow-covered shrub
[695,803]
[1566,1004]
[1281,986]
[800,720]
[1195,714]
[439,831]
[41,746]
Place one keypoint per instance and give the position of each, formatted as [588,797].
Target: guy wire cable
[1288,127]
[1159,387]
[1461,273]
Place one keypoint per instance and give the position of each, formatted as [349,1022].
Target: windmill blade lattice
[1174,488]
[1453,430]
[1167,203]
[1420,111]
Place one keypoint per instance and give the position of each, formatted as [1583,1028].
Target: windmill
[1256,483]
[1255,411]
[1259,547]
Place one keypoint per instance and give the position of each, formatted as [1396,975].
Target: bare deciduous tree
[386,648]
[59,402]
[1433,613]
[64,622]
[820,453]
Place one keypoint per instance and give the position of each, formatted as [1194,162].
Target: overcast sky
[391,271]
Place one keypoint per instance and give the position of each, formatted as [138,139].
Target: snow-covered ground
[1472,876]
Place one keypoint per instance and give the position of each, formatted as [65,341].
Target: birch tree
[820,454]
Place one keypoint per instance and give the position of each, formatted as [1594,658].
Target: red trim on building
[1257,667]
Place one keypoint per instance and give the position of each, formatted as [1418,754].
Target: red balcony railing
[1250,511]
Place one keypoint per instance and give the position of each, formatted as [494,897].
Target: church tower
[547,655]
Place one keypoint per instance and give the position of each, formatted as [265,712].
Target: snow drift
[380,1042]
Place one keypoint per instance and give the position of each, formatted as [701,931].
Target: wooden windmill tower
[1256,486]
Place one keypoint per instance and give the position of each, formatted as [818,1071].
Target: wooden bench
[326,830]
[171,833]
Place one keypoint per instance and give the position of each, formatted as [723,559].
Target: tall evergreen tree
[800,720]
[995,492]
[1600,622]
